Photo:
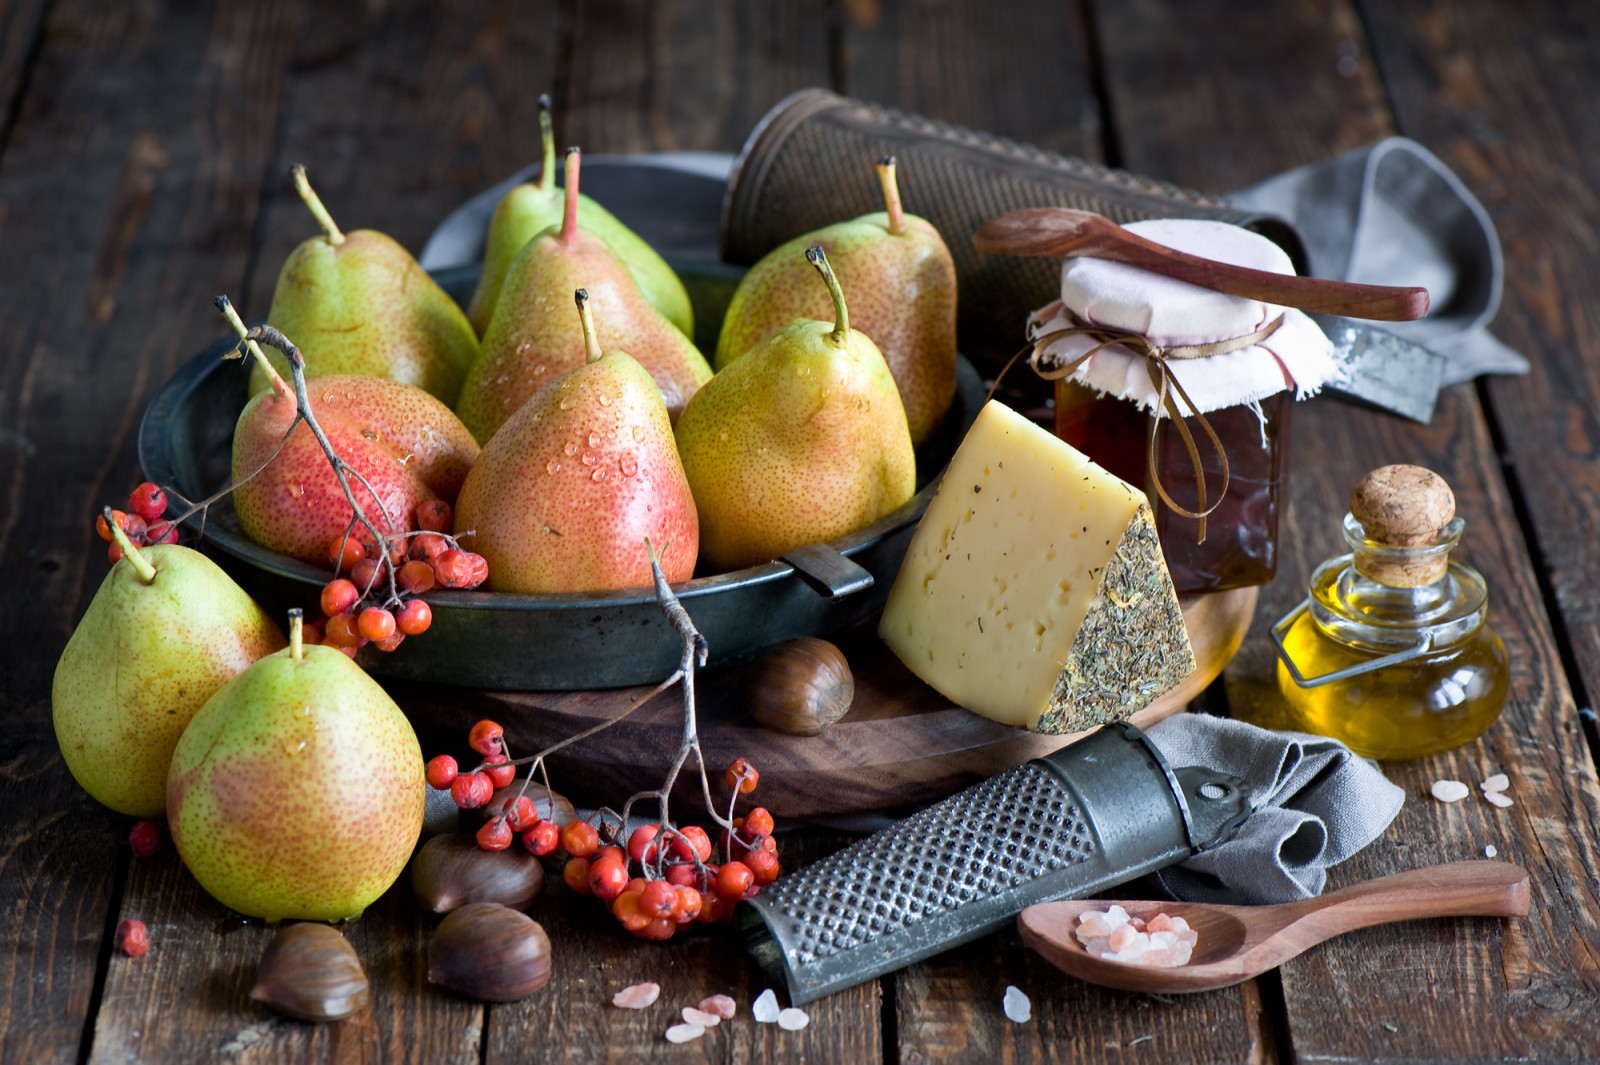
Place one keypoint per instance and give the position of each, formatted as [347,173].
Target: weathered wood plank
[129,188]
[402,111]
[686,75]
[21,24]
[1025,76]
[572,1019]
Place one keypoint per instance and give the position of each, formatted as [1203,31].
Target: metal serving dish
[548,642]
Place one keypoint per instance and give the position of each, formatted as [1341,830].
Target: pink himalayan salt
[721,1005]
[1165,941]
[637,996]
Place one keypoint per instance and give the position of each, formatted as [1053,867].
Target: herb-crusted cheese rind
[1034,591]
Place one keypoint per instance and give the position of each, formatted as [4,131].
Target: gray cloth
[1393,214]
[1314,803]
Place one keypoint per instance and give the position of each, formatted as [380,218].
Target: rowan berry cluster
[142,521]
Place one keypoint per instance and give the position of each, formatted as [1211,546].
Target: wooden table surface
[144,149]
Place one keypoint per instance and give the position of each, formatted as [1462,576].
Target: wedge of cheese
[1034,591]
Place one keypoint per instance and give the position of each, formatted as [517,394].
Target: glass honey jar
[1390,652]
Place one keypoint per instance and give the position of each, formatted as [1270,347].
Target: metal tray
[548,642]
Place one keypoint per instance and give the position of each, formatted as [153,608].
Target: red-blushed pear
[407,445]
[359,303]
[902,285]
[530,208]
[531,340]
[166,629]
[297,790]
[800,441]
[563,497]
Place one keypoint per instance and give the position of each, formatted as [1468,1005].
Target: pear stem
[302,185]
[841,329]
[891,196]
[547,136]
[569,216]
[135,557]
[296,633]
[591,342]
[279,385]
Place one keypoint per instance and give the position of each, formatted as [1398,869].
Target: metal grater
[1089,816]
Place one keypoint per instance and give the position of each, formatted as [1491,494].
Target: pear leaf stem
[569,214]
[591,342]
[302,185]
[135,557]
[841,329]
[296,633]
[891,196]
[547,137]
[279,385]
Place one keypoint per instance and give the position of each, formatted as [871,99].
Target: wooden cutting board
[902,743]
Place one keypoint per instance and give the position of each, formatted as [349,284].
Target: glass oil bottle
[1390,652]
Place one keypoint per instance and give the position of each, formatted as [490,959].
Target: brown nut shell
[1403,506]
[311,972]
[451,870]
[800,687]
[488,952]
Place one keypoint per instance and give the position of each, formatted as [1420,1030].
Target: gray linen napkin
[1393,214]
[1314,803]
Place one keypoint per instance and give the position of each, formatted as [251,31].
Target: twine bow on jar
[1168,390]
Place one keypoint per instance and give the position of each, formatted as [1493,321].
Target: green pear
[359,303]
[902,285]
[531,342]
[297,790]
[166,629]
[564,495]
[528,209]
[802,440]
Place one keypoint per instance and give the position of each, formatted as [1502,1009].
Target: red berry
[434,515]
[389,643]
[684,875]
[348,652]
[414,617]
[763,865]
[613,851]
[338,596]
[442,771]
[133,938]
[312,631]
[757,822]
[742,776]
[712,908]
[135,527]
[660,929]
[543,838]
[733,880]
[689,842]
[145,838]
[659,899]
[104,530]
[640,848]
[689,904]
[520,813]
[495,835]
[486,737]
[576,874]
[416,577]
[161,532]
[579,839]
[471,790]
[345,551]
[340,630]
[114,552]
[428,547]
[376,623]
[453,568]
[480,570]
[365,574]
[625,908]
[607,877]
[148,501]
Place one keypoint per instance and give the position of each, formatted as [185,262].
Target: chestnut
[800,687]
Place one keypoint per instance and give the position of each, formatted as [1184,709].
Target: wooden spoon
[1238,942]
[1060,232]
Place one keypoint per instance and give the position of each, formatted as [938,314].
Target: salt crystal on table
[792,1020]
[765,1007]
[1016,1005]
[1449,790]
[1498,782]
[1489,851]
[700,1017]
[682,1033]
[720,1005]
[1498,799]
[637,996]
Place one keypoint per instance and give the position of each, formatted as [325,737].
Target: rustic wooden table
[143,153]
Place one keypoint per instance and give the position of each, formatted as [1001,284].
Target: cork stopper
[1402,507]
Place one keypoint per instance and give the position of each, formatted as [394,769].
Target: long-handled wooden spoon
[1060,232]
[1238,942]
